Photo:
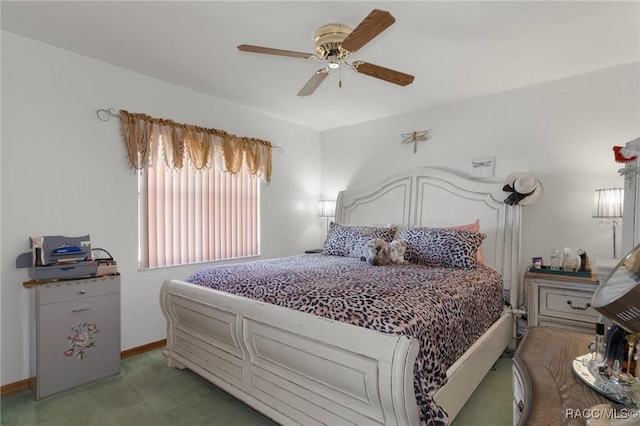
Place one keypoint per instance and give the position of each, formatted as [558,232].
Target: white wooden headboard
[433,197]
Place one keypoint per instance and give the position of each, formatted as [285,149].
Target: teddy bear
[376,252]
[397,250]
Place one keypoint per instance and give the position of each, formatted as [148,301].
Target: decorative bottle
[554,261]
[598,356]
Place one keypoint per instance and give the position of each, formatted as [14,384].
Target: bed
[299,367]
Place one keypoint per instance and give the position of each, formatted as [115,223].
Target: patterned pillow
[472,227]
[442,246]
[349,241]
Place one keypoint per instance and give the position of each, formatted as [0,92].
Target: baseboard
[15,387]
[142,349]
[24,384]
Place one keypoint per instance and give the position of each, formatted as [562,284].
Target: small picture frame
[483,167]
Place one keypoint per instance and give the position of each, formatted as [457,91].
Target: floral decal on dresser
[82,339]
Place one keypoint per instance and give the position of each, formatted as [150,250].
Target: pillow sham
[349,240]
[472,227]
[442,247]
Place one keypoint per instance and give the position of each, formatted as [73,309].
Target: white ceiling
[455,50]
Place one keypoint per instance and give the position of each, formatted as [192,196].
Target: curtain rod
[106,114]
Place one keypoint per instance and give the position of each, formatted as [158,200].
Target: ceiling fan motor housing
[328,40]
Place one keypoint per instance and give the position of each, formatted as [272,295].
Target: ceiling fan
[334,43]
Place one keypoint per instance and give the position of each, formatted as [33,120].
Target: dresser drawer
[61,291]
[568,304]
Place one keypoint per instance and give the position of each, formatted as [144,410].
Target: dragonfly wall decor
[415,137]
[483,167]
[486,163]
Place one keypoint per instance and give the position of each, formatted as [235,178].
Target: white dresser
[75,327]
[561,301]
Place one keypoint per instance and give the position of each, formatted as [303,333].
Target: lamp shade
[326,208]
[607,203]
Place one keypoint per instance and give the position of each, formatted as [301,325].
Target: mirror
[618,296]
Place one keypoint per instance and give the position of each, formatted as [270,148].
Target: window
[199,188]
[190,216]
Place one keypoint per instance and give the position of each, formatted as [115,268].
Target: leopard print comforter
[446,309]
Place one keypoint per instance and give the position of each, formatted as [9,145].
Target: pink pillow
[472,227]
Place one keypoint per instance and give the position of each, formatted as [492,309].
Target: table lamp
[607,206]
[327,210]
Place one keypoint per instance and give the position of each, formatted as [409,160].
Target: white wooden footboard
[294,367]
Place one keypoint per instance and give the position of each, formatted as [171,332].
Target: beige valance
[148,138]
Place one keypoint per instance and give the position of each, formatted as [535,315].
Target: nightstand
[561,301]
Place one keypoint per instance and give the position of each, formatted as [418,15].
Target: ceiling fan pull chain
[340,79]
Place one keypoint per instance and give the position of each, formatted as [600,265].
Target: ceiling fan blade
[314,82]
[376,22]
[386,74]
[278,52]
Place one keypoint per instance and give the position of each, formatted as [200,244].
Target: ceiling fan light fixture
[334,61]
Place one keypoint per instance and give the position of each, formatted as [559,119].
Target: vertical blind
[198,215]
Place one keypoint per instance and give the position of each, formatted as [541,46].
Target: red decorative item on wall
[621,158]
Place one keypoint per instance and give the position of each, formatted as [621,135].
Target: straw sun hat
[524,188]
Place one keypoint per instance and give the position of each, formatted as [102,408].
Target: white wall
[65,172]
[562,131]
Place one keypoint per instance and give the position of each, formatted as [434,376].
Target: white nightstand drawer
[562,303]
